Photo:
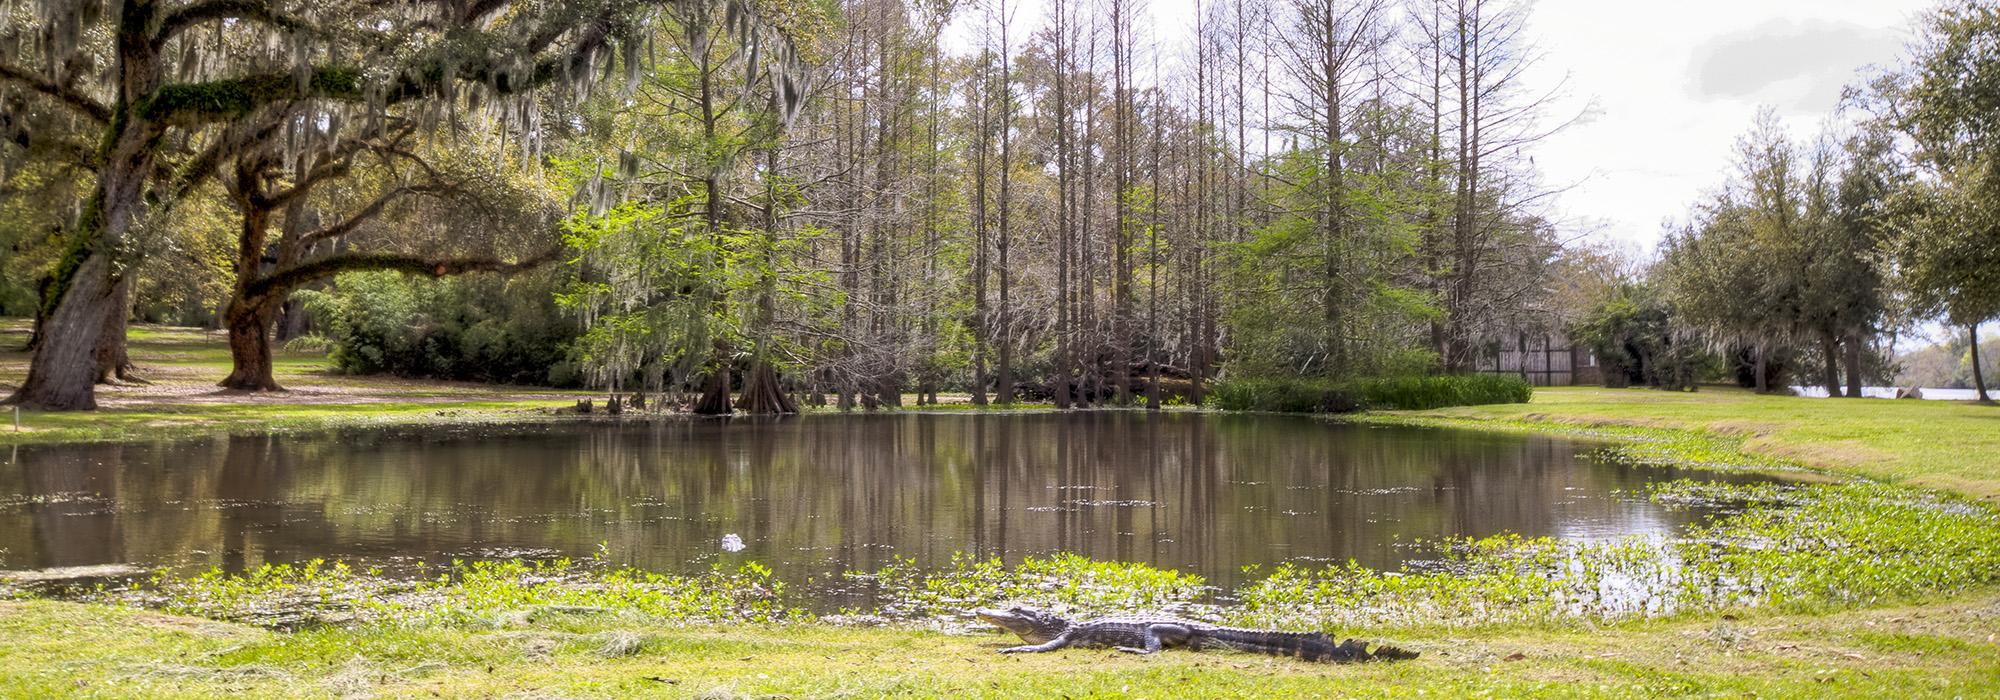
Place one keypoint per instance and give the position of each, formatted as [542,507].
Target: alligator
[1045,631]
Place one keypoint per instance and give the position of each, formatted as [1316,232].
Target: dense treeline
[1812,255]
[841,202]
[745,205]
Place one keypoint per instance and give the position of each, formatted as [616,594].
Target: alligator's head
[1034,626]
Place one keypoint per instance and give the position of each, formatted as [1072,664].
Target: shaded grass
[1948,445]
[184,364]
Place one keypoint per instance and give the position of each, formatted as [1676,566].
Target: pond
[817,495]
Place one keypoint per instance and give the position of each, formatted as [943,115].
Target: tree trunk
[717,395]
[1760,380]
[1978,375]
[114,363]
[762,393]
[249,326]
[62,375]
[1830,371]
[1853,349]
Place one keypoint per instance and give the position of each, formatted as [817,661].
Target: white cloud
[1676,83]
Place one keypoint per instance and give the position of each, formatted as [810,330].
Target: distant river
[1889,392]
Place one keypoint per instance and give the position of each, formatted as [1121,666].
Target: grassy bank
[74,650]
[1948,445]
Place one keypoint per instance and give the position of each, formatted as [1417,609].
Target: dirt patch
[194,626]
[1742,428]
[1838,453]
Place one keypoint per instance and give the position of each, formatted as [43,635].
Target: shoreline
[1922,645]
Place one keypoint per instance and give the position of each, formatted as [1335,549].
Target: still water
[816,495]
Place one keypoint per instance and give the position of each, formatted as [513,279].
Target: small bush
[1301,395]
[485,328]
[1284,396]
[1418,393]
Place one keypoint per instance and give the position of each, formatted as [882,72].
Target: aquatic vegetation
[1830,546]
[477,592]
[1797,548]
[1064,582]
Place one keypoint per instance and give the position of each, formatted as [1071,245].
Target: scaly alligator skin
[1146,635]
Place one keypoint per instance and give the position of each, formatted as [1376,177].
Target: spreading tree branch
[285,280]
[196,104]
[256,11]
[369,212]
[67,95]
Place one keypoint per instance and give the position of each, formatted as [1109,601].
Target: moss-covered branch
[70,97]
[256,11]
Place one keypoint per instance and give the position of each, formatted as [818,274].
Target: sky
[1664,87]
[1671,85]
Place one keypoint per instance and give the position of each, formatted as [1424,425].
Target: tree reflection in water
[816,495]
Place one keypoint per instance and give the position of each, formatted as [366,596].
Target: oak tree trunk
[1853,350]
[249,326]
[1978,375]
[114,363]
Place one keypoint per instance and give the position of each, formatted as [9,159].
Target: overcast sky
[1676,82]
[1673,83]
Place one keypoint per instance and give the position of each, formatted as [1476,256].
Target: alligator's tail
[1311,646]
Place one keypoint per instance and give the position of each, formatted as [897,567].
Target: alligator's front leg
[1156,637]
[1059,642]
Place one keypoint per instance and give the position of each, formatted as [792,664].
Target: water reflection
[816,495]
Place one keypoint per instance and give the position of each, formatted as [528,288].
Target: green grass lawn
[1949,445]
[73,650]
[182,366]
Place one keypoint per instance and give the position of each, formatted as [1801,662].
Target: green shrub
[1284,395]
[485,328]
[1305,395]
[1418,393]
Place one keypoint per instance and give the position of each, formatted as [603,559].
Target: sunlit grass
[1949,445]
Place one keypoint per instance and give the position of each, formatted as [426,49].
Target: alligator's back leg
[1161,635]
[1059,642]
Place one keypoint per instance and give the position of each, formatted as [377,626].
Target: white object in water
[732,543]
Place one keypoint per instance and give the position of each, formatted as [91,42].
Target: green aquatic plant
[1794,547]
[477,592]
[1064,581]
[1835,546]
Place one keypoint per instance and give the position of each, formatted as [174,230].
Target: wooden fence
[1542,359]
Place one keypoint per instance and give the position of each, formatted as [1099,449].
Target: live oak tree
[399,190]
[142,73]
[1944,105]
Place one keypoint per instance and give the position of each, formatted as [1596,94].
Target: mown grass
[81,650]
[1947,445]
